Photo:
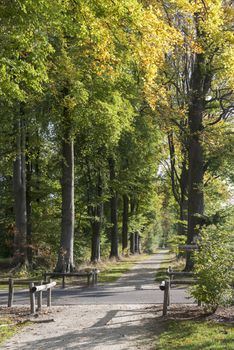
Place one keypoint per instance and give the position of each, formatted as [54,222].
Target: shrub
[174,241]
[213,264]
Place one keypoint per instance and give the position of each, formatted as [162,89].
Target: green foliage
[174,241]
[104,62]
[151,236]
[24,48]
[169,260]
[213,266]
[113,270]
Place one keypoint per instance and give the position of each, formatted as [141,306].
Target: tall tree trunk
[132,234]
[114,212]
[182,227]
[95,247]
[96,223]
[179,183]
[37,171]
[29,205]
[139,244]
[65,257]
[132,243]
[136,248]
[125,223]
[19,182]
[184,199]
[195,153]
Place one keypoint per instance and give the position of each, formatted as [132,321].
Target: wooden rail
[39,289]
[166,285]
[90,275]
[192,281]
[43,287]
[11,282]
[188,247]
[171,273]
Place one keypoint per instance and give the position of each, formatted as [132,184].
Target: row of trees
[119,109]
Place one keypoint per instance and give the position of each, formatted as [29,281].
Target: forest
[116,129]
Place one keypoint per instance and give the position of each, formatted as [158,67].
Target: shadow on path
[110,332]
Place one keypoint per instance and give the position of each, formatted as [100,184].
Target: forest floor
[123,315]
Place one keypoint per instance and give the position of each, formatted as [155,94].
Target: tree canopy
[116,126]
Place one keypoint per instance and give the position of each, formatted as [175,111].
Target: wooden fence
[11,283]
[34,286]
[91,276]
[166,285]
[39,289]
[188,247]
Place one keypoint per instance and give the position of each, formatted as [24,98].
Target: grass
[8,328]
[170,260]
[194,335]
[3,287]
[112,270]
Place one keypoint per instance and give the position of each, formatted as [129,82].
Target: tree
[203,80]
[91,95]
[23,71]
[205,27]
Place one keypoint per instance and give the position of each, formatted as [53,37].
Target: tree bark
[199,89]
[139,244]
[125,223]
[95,247]
[96,223]
[29,206]
[179,183]
[136,248]
[65,257]
[132,234]
[19,184]
[184,198]
[132,243]
[114,212]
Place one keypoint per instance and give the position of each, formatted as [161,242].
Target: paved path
[135,287]
[118,316]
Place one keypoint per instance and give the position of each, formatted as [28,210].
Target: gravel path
[99,327]
[117,316]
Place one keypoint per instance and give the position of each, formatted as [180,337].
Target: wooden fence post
[10,292]
[63,283]
[49,295]
[169,293]
[94,282]
[32,298]
[95,276]
[39,299]
[165,300]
